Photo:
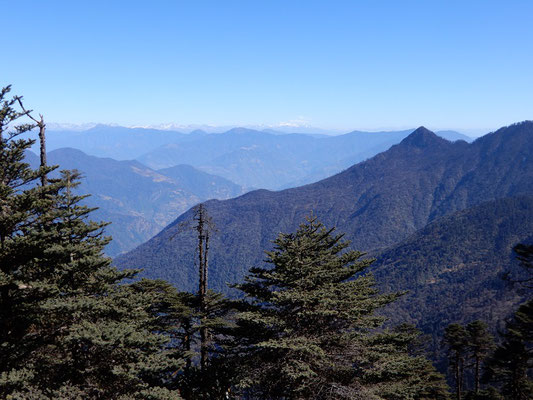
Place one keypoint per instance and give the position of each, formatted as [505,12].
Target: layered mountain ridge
[137,200]
[272,161]
[251,158]
[377,203]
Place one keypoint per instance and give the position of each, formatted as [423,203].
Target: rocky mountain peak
[422,138]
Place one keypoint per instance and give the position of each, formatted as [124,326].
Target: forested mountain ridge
[252,158]
[453,267]
[378,203]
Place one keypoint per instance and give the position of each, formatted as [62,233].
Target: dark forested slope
[453,267]
[377,203]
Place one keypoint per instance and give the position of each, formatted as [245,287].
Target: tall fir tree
[310,328]
[479,343]
[68,328]
[456,341]
[24,210]
[511,365]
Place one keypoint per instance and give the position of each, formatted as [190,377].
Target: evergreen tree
[524,254]
[68,329]
[405,373]
[178,316]
[24,210]
[309,328]
[211,379]
[455,338]
[479,344]
[511,364]
[175,315]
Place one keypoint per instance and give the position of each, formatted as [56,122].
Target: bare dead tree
[42,137]
[204,227]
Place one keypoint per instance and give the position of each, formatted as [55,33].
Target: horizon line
[281,128]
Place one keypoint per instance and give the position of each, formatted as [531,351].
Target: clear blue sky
[334,64]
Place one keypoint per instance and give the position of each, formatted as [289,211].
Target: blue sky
[464,65]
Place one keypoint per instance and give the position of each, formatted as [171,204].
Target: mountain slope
[377,203]
[453,267]
[202,184]
[137,200]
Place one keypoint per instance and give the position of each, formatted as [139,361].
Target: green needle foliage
[511,364]
[178,315]
[310,328]
[479,342]
[456,341]
[68,329]
[467,349]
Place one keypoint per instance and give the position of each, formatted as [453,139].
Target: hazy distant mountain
[274,132]
[211,146]
[202,184]
[256,159]
[284,130]
[115,142]
[377,203]
[136,199]
[452,136]
[272,160]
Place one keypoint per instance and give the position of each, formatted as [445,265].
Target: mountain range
[139,201]
[254,159]
[257,159]
[472,195]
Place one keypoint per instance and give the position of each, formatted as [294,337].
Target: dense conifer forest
[310,323]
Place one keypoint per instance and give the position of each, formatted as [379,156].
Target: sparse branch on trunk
[204,226]
[42,137]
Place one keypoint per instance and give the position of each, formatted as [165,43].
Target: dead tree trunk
[203,226]
[42,139]
[202,286]
[42,145]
